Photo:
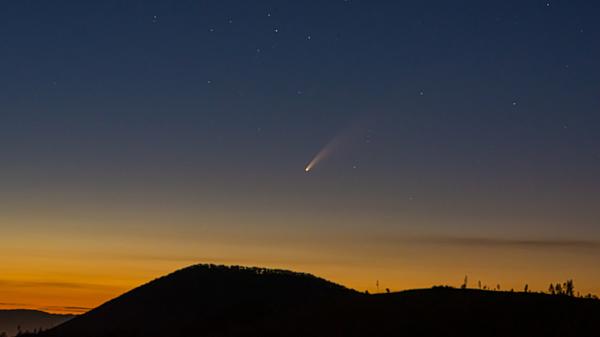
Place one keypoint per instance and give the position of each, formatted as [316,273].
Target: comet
[326,151]
[345,138]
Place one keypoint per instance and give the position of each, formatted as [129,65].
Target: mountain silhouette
[216,301]
[11,321]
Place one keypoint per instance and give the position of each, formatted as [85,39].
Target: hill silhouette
[28,320]
[209,300]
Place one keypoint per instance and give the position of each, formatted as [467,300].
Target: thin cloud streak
[66,285]
[507,242]
[66,309]
[11,304]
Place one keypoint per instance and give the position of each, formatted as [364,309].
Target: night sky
[138,137]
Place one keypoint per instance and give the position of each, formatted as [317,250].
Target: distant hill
[218,301]
[28,320]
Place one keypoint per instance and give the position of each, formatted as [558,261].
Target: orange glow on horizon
[70,294]
[74,271]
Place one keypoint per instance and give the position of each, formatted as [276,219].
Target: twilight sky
[138,137]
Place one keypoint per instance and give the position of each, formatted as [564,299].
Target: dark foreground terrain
[208,300]
[11,321]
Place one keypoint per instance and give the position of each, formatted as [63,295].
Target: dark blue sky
[454,91]
[457,118]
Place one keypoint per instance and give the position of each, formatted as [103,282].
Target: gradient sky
[138,137]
